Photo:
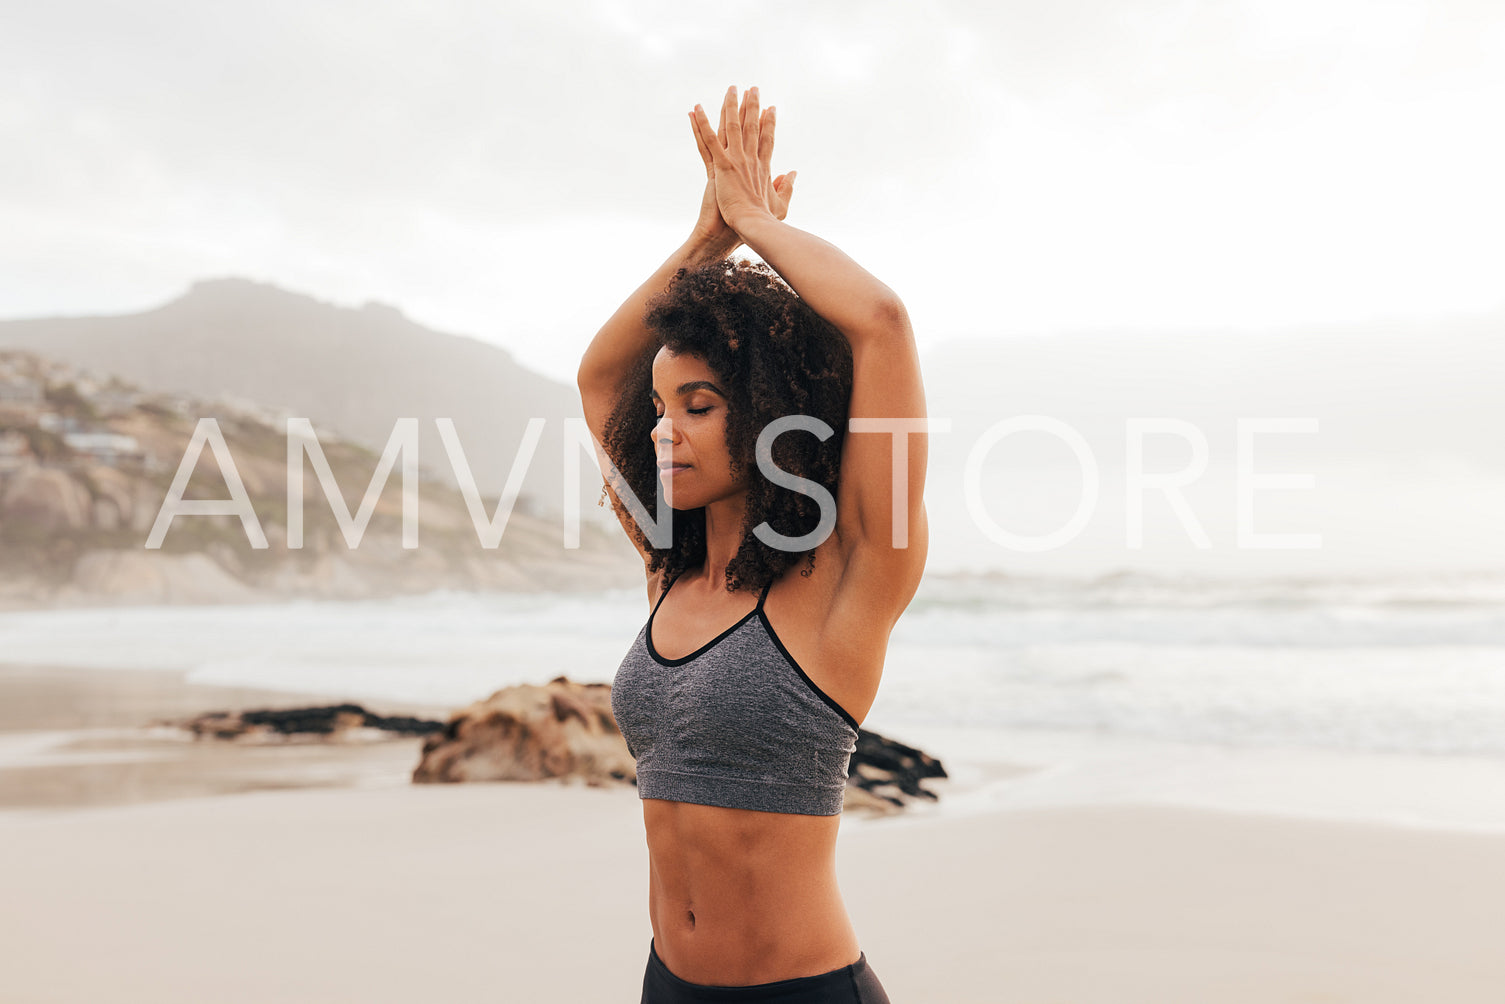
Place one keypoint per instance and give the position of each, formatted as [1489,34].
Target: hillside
[86,466]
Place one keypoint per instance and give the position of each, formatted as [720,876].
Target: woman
[743,720]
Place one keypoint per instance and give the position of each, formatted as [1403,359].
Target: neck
[723,536]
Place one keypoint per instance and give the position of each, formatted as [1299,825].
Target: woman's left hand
[740,158]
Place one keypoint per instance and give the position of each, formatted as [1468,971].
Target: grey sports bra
[736,723]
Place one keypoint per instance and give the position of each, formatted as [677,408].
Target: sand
[367,888]
[81,737]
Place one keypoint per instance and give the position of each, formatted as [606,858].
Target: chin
[686,500]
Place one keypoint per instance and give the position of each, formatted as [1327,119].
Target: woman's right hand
[710,227]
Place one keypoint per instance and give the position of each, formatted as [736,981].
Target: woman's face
[691,403]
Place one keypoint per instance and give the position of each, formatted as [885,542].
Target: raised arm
[885,361]
[623,339]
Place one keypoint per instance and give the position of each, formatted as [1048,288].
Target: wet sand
[74,738]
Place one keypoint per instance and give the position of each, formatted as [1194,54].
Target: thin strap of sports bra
[764,595]
[663,594]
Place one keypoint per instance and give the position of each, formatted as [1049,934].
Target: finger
[765,139]
[705,154]
[732,131]
[750,122]
[783,193]
[708,138]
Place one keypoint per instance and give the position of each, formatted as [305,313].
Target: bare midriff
[738,897]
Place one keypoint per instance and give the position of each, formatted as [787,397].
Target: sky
[512,171]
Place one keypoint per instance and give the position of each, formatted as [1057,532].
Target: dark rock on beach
[527,733]
[885,774]
[333,722]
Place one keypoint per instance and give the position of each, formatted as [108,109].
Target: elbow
[882,319]
[889,317]
[588,378]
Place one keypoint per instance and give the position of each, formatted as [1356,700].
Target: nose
[663,430]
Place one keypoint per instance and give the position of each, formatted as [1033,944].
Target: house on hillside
[21,399]
[15,454]
[178,403]
[115,400]
[60,424]
[109,448]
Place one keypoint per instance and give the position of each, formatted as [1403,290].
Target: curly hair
[777,357]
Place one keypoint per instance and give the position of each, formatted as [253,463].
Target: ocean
[1371,699]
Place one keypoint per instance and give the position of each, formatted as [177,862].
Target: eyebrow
[685,388]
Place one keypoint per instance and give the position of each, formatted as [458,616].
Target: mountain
[355,371]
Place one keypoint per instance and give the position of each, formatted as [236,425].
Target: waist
[738,897]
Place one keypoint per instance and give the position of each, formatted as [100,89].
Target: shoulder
[835,622]
[853,591]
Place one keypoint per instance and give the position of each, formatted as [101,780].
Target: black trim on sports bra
[664,661]
[762,615]
[779,643]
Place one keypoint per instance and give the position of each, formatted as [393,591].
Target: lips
[669,465]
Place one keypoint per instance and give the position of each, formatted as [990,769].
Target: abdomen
[738,896]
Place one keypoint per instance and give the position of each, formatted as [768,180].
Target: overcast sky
[511,171]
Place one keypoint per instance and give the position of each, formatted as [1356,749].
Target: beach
[323,874]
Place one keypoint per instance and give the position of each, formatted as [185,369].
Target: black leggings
[852,984]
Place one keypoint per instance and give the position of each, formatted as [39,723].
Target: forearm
[623,337]
[835,286]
